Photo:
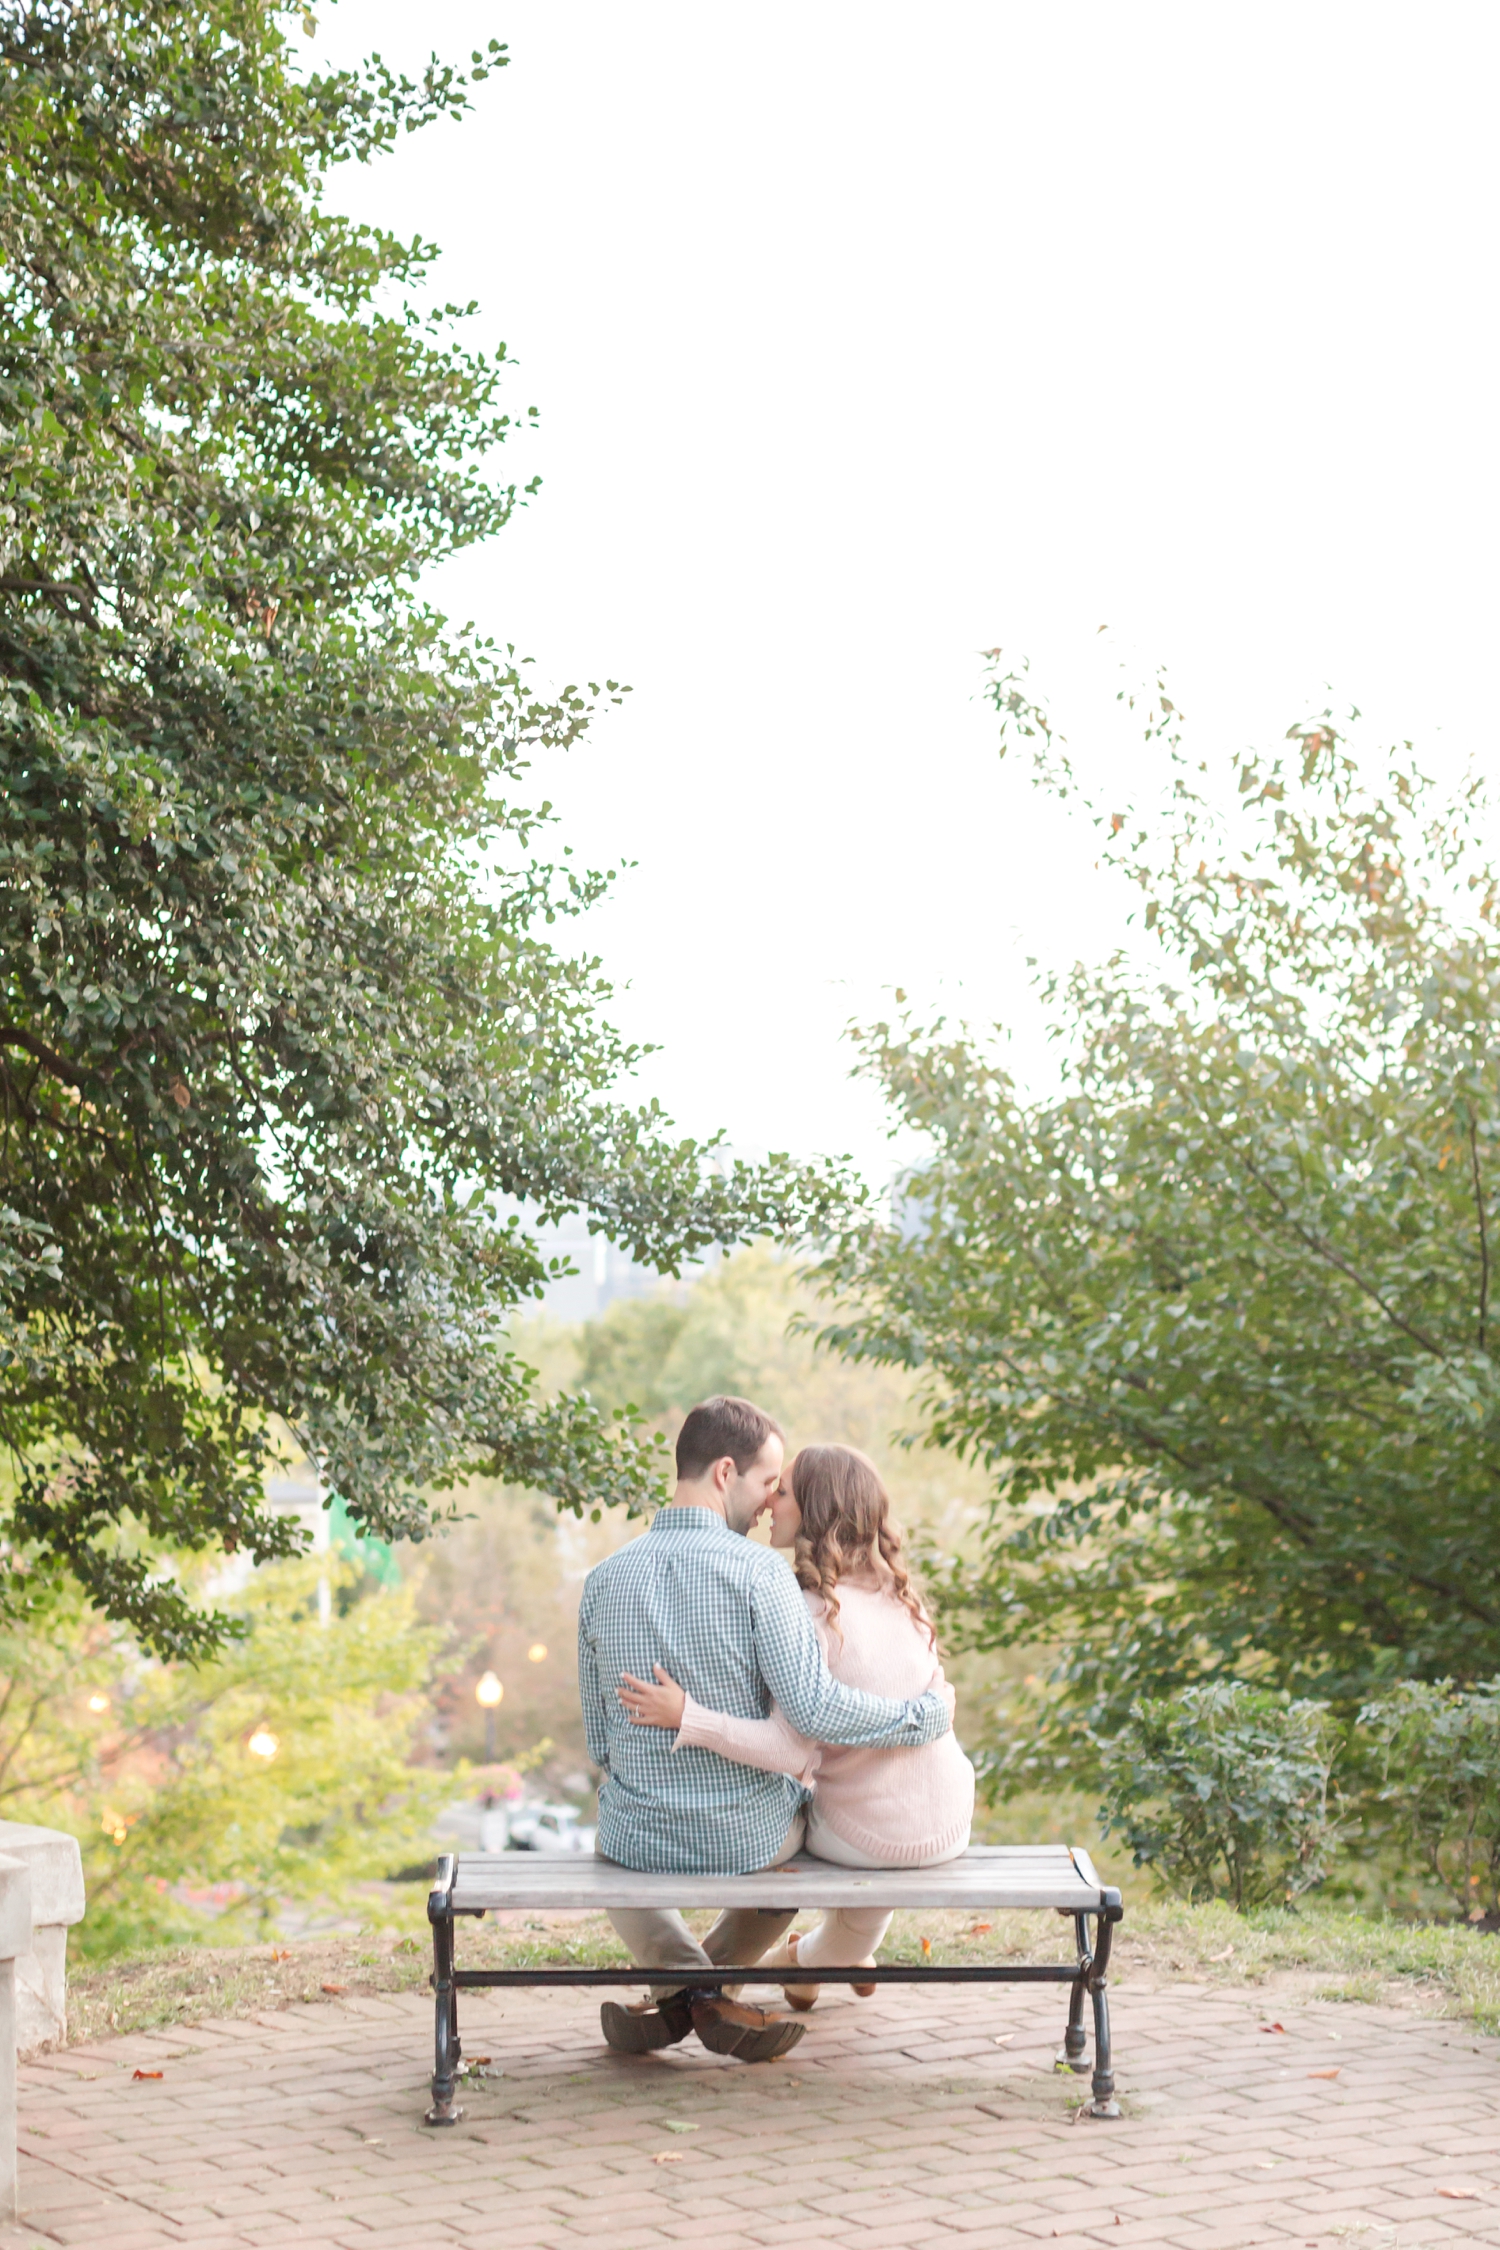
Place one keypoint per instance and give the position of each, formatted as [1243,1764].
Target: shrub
[1223,1790]
[1442,1783]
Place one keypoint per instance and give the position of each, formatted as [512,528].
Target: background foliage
[175,1812]
[283,1038]
[1217,1319]
[217,1843]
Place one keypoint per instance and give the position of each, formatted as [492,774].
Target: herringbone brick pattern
[913,2119]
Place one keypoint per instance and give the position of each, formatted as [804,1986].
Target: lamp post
[488,1694]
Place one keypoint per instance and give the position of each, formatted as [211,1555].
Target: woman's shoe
[784,1956]
[804,1996]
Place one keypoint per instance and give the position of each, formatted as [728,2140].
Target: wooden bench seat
[989,1879]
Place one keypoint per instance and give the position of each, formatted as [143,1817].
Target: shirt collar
[686,1519]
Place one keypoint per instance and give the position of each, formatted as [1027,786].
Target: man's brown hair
[718,1427]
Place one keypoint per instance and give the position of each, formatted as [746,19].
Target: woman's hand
[659,1706]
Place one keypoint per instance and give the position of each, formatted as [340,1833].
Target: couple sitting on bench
[730,1706]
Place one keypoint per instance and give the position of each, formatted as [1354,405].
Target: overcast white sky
[867,338]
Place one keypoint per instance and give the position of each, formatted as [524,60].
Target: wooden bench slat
[1035,1878]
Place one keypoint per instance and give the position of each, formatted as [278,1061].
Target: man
[727,1619]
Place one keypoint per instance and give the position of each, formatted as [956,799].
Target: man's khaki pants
[658,1937]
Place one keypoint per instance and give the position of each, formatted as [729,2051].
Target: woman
[870,1808]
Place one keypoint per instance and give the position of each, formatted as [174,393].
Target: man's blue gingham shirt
[727,1619]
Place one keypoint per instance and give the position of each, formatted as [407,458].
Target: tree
[282,1036]
[277,1769]
[1220,1316]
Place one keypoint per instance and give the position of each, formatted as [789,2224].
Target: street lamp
[488,1694]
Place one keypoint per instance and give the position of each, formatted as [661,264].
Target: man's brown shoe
[641,2027]
[728,2027]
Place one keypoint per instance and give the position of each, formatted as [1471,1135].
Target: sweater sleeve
[772,1744]
[792,1666]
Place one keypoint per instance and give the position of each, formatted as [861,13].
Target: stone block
[55,1866]
[15,1907]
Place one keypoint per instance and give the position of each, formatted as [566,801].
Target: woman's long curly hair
[847,1525]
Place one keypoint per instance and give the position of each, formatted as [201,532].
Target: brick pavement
[909,2120]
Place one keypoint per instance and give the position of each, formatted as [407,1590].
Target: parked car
[549,1828]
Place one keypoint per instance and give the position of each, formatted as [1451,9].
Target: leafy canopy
[1220,1316]
[282,1035]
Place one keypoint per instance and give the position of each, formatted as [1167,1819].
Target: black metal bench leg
[1074,2038]
[1103,2103]
[445,2110]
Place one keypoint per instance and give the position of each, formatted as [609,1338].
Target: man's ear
[723,1474]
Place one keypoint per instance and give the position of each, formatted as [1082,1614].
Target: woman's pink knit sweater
[896,1806]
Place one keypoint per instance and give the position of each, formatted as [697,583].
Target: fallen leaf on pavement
[1273,2027]
[1460,2194]
[1323,2073]
[146,2074]
[1004,2039]
[668,2156]
[677,2125]
[335,1989]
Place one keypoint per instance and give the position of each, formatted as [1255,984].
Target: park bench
[1006,1878]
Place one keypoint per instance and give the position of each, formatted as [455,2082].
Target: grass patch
[1370,1989]
[1440,1969]
[1444,1968]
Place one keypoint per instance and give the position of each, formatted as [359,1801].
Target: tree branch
[12,1036]
[1332,1257]
[1484,1240]
[55,589]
